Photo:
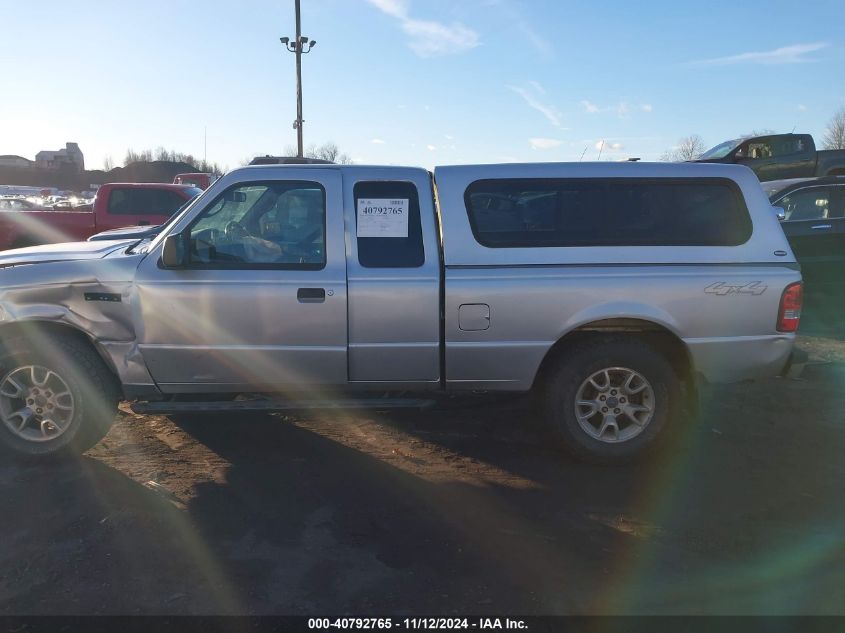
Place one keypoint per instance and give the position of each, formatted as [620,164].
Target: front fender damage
[100,309]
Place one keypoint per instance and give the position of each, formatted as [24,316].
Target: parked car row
[19,203]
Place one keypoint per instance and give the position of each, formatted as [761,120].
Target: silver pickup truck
[609,290]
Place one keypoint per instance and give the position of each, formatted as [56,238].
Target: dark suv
[814,224]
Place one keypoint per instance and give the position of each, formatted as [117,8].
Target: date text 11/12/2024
[431,623]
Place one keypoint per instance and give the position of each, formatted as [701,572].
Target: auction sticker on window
[382,217]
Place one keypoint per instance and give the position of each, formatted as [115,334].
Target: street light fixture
[300,46]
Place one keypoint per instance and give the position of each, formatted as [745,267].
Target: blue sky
[419,82]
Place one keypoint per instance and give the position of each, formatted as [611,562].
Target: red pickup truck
[116,205]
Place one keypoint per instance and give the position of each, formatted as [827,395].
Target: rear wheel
[56,396]
[611,399]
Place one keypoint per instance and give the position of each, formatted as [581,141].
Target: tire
[79,392]
[652,398]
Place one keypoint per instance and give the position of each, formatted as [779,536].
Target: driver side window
[262,225]
[807,204]
[758,150]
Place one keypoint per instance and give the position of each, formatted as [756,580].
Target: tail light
[789,313]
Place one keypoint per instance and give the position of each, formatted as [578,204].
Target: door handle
[311,295]
[819,227]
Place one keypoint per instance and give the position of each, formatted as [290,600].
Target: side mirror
[780,212]
[173,251]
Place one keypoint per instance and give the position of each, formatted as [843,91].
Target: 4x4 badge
[721,288]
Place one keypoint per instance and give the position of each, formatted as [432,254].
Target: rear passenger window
[607,212]
[400,247]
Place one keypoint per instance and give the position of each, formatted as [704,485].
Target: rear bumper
[738,358]
[795,363]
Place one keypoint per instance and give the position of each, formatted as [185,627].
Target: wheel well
[35,329]
[660,338]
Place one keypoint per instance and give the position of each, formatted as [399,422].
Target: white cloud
[431,148]
[537,87]
[590,107]
[537,41]
[429,38]
[393,8]
[801,107]
[605,146]
[515,18]
[623,108]
[547,110]
[797,53]
[448,137]
[377,141]
[543,143]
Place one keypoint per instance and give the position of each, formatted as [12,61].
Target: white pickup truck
[611,290]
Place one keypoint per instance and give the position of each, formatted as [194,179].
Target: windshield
[722,149]
[144,245]
[771,190]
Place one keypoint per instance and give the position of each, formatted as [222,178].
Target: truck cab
[778,156]
[772,157]
[279,240]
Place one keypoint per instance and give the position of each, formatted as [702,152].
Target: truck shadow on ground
[465,510]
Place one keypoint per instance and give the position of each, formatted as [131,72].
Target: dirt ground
[440,512]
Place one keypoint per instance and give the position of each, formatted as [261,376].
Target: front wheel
[56,396]
[610,399]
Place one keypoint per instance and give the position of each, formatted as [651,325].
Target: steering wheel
[235,229]
[305,246]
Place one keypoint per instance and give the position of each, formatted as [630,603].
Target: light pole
[300,45]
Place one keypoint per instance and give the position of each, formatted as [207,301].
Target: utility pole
[299,46]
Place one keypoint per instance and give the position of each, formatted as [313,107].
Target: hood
[70,251]
[710,160]
[127,232]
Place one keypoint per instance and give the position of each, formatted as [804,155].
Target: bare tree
[688,148]
[327,151]
[108,163]
[132,156]
[162,154]
[834,134]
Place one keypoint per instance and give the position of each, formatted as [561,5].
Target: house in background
[70,155]
[13,160]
